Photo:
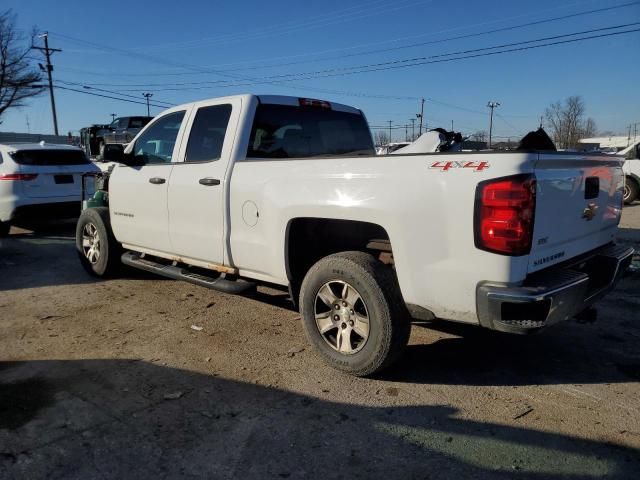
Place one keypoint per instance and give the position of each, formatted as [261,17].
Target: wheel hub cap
[342,317]
[91,243]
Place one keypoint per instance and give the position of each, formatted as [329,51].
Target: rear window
[282,131]
[138,122]
[49,157]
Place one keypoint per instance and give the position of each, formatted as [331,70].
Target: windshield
[282,131]
[49,157]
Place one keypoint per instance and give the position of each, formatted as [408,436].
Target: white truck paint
[631,169]
[426,204]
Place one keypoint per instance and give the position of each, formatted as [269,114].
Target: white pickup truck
[632,172]
[230,192]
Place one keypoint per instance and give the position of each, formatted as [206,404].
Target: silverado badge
[589,212]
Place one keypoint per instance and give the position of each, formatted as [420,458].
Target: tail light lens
[18,176]
[504,212]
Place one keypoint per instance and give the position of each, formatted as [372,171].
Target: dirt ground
[140,377]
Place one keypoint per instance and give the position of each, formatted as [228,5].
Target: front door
[138,195]
[197,186]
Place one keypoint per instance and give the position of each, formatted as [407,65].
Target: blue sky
[154,46]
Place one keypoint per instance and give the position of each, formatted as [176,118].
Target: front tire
[97,248]
[353,313]
[631,190]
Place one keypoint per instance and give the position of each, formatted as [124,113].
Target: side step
[220,283]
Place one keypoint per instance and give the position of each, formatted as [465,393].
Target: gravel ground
[110,379]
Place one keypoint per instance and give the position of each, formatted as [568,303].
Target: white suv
[40,181]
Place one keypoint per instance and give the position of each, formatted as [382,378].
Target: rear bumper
[46,211]
[552,295]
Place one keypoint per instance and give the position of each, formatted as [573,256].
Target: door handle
[157,180]
[209,181]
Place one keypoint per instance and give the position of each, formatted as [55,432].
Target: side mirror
[113,152]
[638,151]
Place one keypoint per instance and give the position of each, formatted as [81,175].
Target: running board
[220,283]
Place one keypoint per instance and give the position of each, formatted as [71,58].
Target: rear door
[197,188]
[578,205]
[138,195]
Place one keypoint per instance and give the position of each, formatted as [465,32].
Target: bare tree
[17,76]
[589,129]
[479,136]
[567,123]
[380,137]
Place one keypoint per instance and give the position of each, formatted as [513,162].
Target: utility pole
[413,128]
[113,117]
[390,122]
[406,132]
[47,53]
[420,116]
[540,121]
[147,96]
[28,125]
[491,105]
[452,125]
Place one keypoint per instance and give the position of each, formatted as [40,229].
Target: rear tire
[4,229]
[98,250]
[353,313]
[631,190]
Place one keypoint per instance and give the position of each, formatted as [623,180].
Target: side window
[156,144]
[207,133]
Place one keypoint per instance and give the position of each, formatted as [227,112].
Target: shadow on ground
[130,419]
[45,255]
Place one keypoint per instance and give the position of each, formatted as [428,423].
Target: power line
[307,60]
[105,96]
[165,104]
[402,63]
[356,12]
[462,52]
[433,42]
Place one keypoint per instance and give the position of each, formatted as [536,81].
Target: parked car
[230,192]
[90,142]
[40,181]
[121,131]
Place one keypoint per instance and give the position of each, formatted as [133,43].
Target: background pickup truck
[121,131]
[231,192]
[632,172]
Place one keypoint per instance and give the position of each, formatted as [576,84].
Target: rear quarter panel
[427,212]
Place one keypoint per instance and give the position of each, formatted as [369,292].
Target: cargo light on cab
[310,102]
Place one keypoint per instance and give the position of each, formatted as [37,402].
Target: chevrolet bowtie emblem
[589,212]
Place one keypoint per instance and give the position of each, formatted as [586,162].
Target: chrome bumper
[552,295]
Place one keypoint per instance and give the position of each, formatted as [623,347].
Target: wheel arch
[308,239]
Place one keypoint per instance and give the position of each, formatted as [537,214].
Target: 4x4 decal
[446,166]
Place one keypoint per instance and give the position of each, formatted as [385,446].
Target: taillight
[18,176]
[504,213]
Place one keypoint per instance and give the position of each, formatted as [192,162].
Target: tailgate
[578,205]
[54,181]
[57,172]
